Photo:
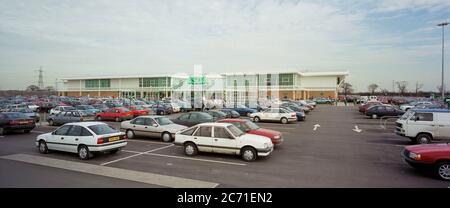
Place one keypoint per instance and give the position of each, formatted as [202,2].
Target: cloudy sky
[376,40]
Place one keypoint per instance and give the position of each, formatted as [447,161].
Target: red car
[435,157]
[138,111]
[251,128]
[115,114]
[363,108]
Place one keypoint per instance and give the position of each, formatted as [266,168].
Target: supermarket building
[228,86]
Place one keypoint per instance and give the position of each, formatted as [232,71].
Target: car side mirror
[155,125]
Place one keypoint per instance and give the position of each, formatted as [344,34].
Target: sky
[377,41]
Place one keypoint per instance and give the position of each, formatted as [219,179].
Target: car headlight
[277,137]
[414,156]
[266,146]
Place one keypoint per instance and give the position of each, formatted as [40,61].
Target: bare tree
[372,88]
[346,88]
[418,87]
[385,91]
[402,87]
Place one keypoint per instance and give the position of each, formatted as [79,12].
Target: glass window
[163,121]
[204,131]
[74,131]
[424,116]
[240,126]
[189,131]
[235,131]
[194,116]
[149,122]
[101,129]
[184,117]
[220,132]
[62,130]
[139,121]
[85,132]
[91,83]
[105,83]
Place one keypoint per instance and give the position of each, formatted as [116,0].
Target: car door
[443,123]
[223,142]
[423,122]
[72,139]
[152,127]
[139,128]
[202,137]
[56,140]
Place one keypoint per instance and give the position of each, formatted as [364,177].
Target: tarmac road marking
[186,158]
[141,153]
[123,174]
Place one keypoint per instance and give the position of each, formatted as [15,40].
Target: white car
[223,138]
[274,114]
[59,109]
[83,138]
[406,107]
[152,126]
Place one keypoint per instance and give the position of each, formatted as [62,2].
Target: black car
[382,110]
[193,118]
[14,121]
[216,114]
[231,113]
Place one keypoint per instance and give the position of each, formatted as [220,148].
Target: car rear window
[101,129]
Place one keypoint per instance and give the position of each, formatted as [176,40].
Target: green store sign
[197,80]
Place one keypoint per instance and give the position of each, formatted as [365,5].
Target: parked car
[161,109]
[434,157]
[101,107]
[383,110]
[45,107]
[301,116]
[14,121]
[115,114]
[84,138]
[274,114]
[322,100]
[58,109]
[424,125]
[28,112]
[223,138]
[406,107]
[216,114]
[297,108]
[139,111]
[243,110]
[251,128]
[90,110]
[65,117]
[151,126]
[193,118]
[230,113]
[363,108]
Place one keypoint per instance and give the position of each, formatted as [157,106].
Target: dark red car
[139,111]
[434,157]
[115,114]
[363,108]
[251,128]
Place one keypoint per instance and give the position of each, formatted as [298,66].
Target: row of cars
[423,122]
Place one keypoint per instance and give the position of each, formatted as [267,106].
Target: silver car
[274,114]
[65,117]
[151,126]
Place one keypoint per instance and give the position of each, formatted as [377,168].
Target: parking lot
[335,154]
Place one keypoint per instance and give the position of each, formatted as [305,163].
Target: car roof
[215,124]
[232,120]
[87,124]
[150,116]
[431,110]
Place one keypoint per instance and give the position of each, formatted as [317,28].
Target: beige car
[151,126]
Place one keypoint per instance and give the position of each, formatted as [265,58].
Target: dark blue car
[301,116]
[243,110]
[161,109]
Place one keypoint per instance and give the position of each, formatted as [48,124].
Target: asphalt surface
[333,155]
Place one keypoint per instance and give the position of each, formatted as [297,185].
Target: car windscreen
[235,131]
[101,129]
[251,125]
[163,121]
[406,115]
[15,115]
[205,116]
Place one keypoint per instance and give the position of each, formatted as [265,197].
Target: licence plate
[23,122]
[112,139]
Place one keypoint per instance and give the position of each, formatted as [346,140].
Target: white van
[424,125]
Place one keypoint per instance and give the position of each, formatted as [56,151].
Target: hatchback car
[383,110]
[116,114]
[251,128]
[434,157]
[223,138]
[84,138]
[151,126]
[274,114]
[14,121]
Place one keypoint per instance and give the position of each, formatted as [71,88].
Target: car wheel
[248,114]
[248,154]
[43,149]
[118,119]
[83,152]
[284,120]
[423,139]
[374,116]
[190,149]
[2,131]
[256,119]
[166,137]
[130,134]
[98,118]
[443,170]
[50,122]
[114,151]
[162,113]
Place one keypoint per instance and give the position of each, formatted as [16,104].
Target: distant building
[238,87]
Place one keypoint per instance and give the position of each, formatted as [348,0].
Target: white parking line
[123,174]
[106,163]
[187,158]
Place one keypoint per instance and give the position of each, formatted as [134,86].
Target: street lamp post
[442,84]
